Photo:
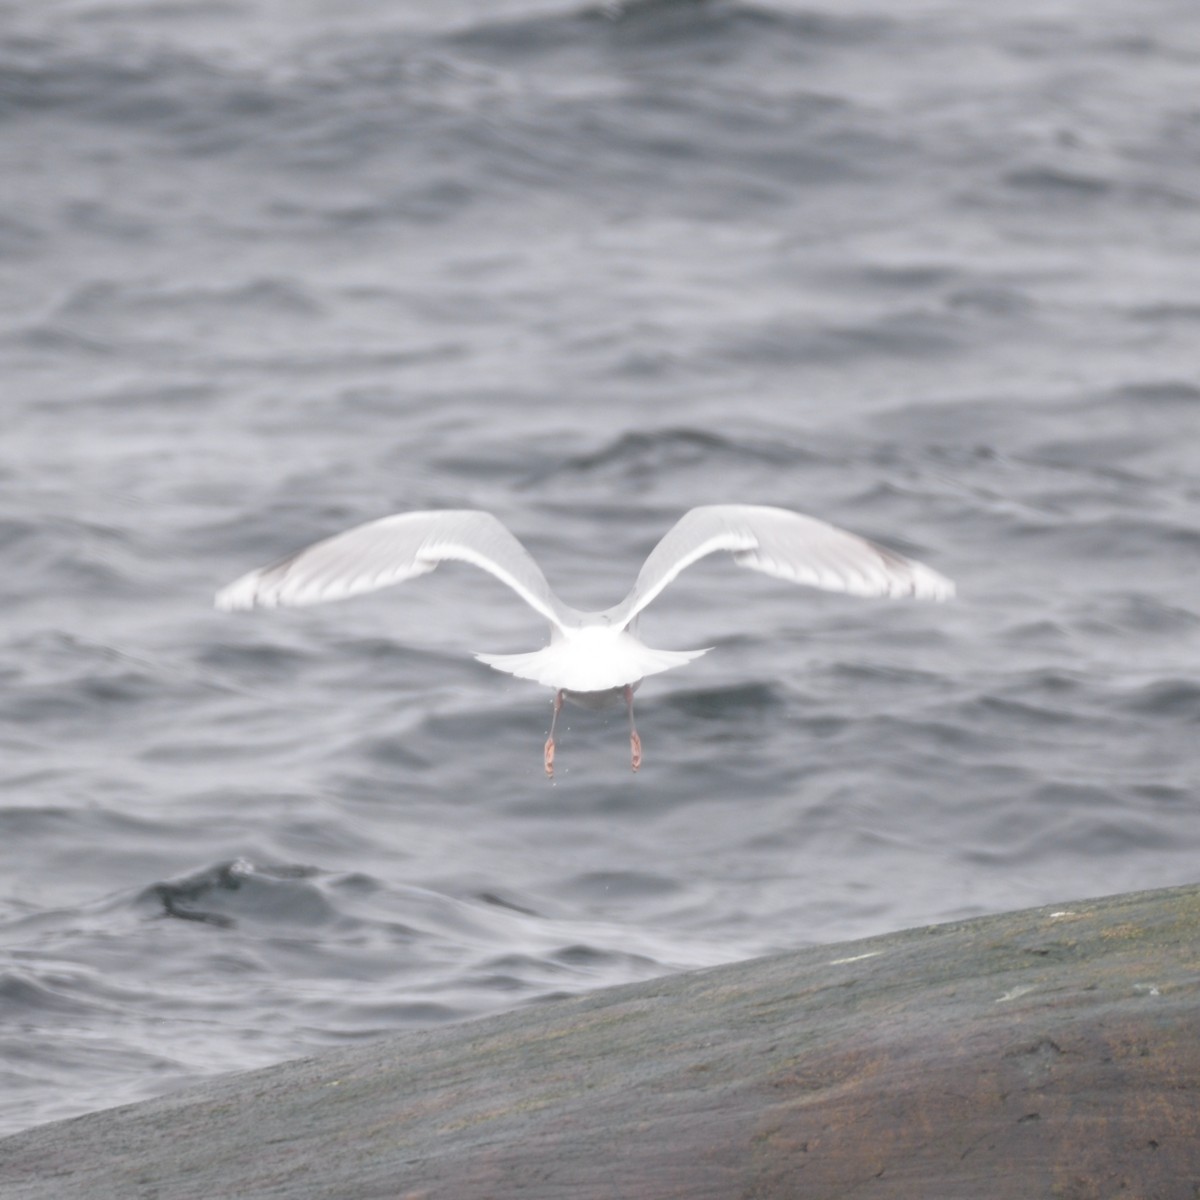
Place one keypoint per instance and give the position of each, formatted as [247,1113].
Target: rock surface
[1047,1053]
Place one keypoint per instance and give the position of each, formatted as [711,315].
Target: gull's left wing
[393,549]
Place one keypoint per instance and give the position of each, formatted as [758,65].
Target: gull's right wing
[787,545]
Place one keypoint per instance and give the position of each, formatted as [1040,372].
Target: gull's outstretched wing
[784,544]
[392,549]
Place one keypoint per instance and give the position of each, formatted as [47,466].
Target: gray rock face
[1047,1053]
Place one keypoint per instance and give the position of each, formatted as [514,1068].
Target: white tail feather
[578,668]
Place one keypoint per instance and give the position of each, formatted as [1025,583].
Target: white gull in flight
[592,657]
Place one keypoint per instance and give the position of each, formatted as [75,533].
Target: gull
[593,658]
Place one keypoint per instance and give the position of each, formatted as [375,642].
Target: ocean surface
[269,268]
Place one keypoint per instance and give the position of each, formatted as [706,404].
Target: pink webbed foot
[635,742]
[548,752]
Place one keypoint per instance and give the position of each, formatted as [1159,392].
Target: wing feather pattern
[390,550]
[787,545]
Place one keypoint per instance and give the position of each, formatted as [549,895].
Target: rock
[1047,1053]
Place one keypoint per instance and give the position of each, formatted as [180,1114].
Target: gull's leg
[635,742]
[548,758]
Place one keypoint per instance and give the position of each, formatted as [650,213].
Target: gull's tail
[559,665]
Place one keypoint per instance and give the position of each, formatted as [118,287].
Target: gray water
[269,268]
